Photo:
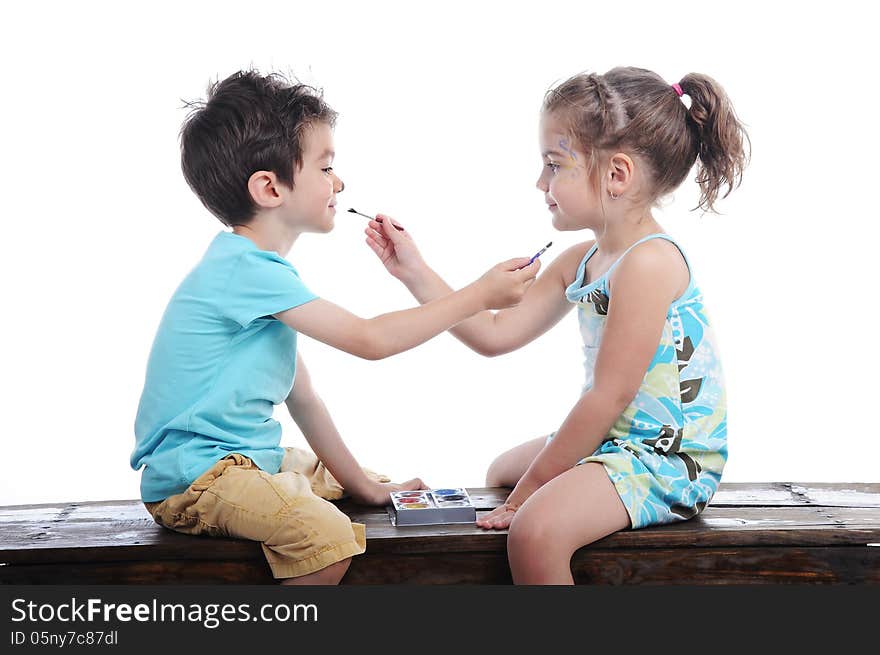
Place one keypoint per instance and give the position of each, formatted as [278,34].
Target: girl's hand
[379,493]
[396,248]
[499,518]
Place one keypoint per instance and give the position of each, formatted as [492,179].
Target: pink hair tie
[678,90]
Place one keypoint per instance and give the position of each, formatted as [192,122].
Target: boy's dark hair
[249,122]
[636,109]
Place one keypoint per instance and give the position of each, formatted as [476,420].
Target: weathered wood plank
[774,494]
[655,566]
[248,571]
[839,495]
[716,527]
[773,532]
[816,565]
[126,524]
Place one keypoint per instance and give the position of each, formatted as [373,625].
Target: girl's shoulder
[565,266]
[574,254]
[659,262]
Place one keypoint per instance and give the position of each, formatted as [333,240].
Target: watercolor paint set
[431,507]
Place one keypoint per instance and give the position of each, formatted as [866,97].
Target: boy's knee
[334,527]
[329,575]
[335,572]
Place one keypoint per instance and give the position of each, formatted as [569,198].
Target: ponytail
[724,146]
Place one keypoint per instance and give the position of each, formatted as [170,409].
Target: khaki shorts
[288,512]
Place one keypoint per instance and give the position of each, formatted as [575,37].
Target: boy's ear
[621,173]
[264,189]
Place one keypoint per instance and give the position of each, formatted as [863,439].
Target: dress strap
[574,292]
[658,235]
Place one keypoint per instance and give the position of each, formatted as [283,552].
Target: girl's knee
[510,466]
[495,474]
[529,536]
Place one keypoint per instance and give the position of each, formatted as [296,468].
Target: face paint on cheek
[564,144]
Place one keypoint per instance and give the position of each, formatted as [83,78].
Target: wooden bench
[751,533]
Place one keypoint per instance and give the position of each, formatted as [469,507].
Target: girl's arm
[487,333]
[644,285]
[311,416]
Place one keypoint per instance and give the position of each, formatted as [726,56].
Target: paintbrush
[374,218]
[538,254]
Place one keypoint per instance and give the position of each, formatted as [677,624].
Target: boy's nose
[339,187]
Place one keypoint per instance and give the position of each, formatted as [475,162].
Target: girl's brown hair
[635,109]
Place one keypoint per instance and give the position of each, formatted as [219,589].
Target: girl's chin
[566,224]
[561,223]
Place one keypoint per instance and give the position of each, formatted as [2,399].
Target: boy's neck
[268,235]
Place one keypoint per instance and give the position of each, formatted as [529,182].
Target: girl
[646,442]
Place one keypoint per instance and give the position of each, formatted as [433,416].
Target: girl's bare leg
[575,508]
[510,466]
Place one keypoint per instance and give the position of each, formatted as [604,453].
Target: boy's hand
[505,284]
[396,248]
[379,493]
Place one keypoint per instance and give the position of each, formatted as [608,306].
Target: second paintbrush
[538,254]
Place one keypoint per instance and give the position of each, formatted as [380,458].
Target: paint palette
[431,507]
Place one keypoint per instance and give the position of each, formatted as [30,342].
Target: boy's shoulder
[242,282]
[229,256]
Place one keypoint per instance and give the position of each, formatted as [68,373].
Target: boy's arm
[311,416]
[395,332]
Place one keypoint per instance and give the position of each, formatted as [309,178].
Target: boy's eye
[329,169]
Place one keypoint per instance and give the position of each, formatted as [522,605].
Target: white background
[438,127]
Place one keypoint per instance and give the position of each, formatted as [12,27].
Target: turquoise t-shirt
[218,366]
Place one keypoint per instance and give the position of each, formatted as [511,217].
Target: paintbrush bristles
[377,219]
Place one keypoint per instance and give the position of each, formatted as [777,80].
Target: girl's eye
[553,167]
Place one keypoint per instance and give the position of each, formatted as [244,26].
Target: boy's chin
[321,228]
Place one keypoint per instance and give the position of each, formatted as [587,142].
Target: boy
[259,155]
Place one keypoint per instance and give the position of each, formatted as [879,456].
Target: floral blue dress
[666,451]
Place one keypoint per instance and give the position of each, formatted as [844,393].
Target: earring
[613,197]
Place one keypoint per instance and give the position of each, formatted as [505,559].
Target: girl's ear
[620,174]
[264,189]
